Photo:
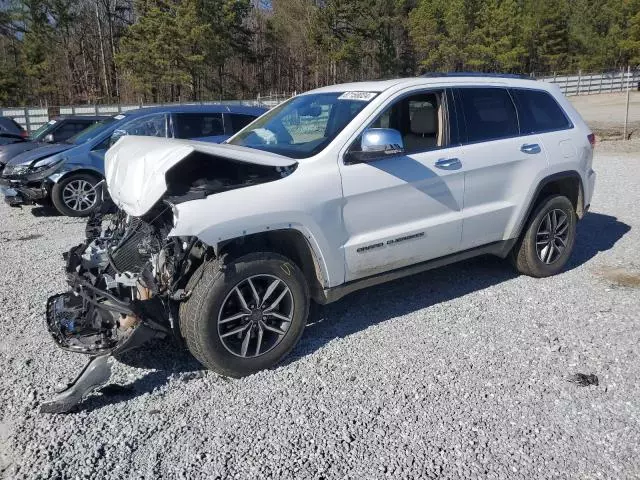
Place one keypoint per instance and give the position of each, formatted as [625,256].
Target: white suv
[229,246]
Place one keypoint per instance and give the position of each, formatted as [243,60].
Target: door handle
[530,148]
[449,163]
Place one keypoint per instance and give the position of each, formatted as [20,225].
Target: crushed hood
[135,167]
[41,151]
[7,152]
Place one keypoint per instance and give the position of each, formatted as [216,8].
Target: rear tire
[75,195]
[547,243]
[245,288]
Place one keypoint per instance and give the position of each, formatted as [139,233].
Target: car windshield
[91,132]
[304,125]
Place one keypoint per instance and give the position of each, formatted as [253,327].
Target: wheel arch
[291,243]
[80,170]
[568,183]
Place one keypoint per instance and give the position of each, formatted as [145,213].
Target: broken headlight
[11,170]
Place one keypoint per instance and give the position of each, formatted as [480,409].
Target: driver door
[405,209]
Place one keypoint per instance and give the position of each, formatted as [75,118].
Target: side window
[150,126]
[196,125]
[68,130]
[489,114]
[239,121]
[420,119]
[539,112]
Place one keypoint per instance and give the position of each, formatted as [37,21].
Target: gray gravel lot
[458,373]
[605,113]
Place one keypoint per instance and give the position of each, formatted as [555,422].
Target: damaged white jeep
[227,246]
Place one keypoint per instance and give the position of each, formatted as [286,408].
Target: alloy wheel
[79,195]
[552,236]
[255,315]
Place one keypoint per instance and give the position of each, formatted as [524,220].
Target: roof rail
[477,74]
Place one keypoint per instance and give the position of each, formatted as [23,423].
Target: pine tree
[163,50]
[546,35]
[496,43]
[440,33]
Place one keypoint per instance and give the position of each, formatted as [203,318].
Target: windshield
[91,132]
[304,125]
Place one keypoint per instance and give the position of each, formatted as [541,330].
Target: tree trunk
[102,53]
[114,68]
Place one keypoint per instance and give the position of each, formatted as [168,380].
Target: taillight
[592,140]
[24,134]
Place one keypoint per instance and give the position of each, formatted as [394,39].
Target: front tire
[76,195]
[547,242]
[246,315]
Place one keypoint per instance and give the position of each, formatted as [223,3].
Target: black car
[56,130]
[11,131]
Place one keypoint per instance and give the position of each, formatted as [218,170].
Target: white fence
[588,84]
[33,118]
[581,84]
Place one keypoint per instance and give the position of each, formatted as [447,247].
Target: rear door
[499,162]
[540,114]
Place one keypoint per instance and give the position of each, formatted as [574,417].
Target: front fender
[95,165]
[332,270]
[299,202]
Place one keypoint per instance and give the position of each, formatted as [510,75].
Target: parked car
[56,130]
[66,174]
[11,131]
[229,246]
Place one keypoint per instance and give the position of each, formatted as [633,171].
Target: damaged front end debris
[121,284]
[129,276]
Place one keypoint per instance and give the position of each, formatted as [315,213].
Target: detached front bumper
[106,311]
[17,192]
[85,320]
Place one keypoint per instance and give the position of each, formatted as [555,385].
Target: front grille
[136,248]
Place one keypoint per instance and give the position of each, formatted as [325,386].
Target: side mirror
[49,138]
[377,143]
[115,136]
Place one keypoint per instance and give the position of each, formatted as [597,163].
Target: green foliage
[64,51]
[165,48]
[496,43]
[440,33]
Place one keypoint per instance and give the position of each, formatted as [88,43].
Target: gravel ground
[462,372]
[605,113]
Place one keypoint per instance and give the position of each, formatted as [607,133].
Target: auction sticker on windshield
[362,96]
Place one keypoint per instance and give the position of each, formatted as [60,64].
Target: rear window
[10,125]
[196,125]
[489,114]
[239,121]
[539,112]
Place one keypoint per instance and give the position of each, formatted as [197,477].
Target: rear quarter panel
[567,151]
